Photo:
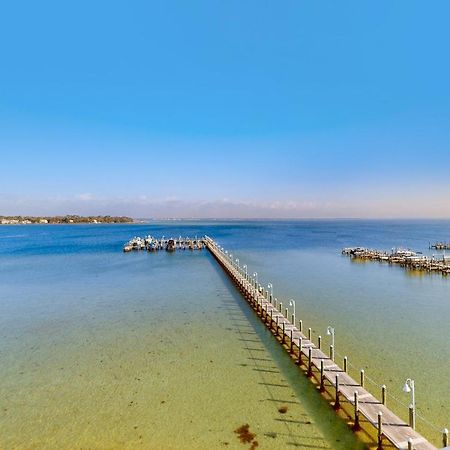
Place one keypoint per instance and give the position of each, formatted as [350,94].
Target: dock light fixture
[409,387]
[255,276]
[331,332]
[292,303]
[270,286]
[237,262]
[245,268]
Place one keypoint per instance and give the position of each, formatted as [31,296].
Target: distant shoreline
[64,220]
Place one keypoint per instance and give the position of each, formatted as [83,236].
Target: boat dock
[350,399]
[405,258]
[152,244]
[440,246]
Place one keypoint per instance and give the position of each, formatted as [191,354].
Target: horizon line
[284,218]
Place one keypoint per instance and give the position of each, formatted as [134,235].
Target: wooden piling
[337,404]
[300,349]
[356,412]
[309,362]
[412,417]
[322,376]
[380,430]
[292,341]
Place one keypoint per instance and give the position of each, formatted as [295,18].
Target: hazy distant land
[14,220]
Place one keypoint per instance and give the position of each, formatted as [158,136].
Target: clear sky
[225,108]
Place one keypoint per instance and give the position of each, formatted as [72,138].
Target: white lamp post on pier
[409,387]
[331,332]
[292,303]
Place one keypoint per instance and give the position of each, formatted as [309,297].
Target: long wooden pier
[348,395]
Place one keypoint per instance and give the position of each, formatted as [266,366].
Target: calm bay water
[101,349]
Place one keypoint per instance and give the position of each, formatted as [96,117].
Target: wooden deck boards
[394,429]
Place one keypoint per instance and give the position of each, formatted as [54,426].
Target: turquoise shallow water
[102,349]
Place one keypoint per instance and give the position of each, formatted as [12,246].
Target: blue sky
[225,109]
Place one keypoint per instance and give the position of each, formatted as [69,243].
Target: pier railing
[348,395]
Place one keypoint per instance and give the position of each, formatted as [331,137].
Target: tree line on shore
[64,219]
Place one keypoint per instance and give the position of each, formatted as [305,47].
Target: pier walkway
[391,431]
